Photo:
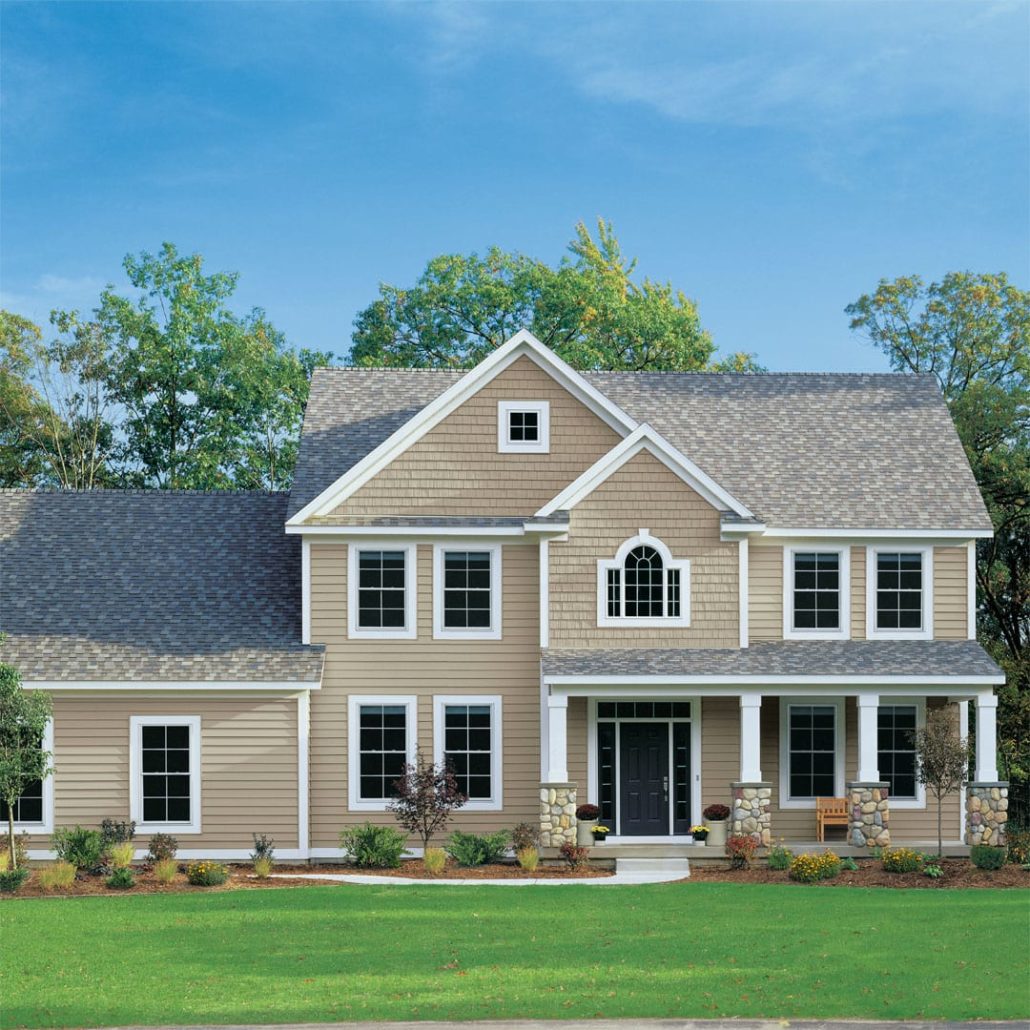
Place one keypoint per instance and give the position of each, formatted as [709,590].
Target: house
[652,591]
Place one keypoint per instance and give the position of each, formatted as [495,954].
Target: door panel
[644,765]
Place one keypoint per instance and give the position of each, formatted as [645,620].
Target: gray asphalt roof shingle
[151,585]
[948,658]
[802,450]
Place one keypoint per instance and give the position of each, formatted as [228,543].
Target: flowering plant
[699,831]
[600,829]
[716,812]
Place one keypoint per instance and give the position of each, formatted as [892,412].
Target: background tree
[23,718]
[427,794]
[21,463]
[588,308]
[973,333]
[942,760]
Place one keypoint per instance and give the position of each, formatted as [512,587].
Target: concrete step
[648,867]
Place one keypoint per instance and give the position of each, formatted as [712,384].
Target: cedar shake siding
[644,493]
[455,469]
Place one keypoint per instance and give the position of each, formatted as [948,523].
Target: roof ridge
[139,490]
[699,373]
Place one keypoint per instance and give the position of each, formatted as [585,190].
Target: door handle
[665,788]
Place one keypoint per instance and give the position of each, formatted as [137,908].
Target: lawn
[691,950]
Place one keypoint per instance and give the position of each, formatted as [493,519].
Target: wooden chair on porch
[830,812]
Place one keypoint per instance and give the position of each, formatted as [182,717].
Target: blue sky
[773,160]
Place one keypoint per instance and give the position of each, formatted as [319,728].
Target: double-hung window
[467,740]
[643,586]
[523,427]
[34,807]
[381,742]
[164,755]
[899,593]
[816,593]
[381,594]
[467,591]
[811,751]
[896,727]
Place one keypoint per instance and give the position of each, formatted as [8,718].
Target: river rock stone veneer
[869,812]
[751,813]
[557,814]
[987,813]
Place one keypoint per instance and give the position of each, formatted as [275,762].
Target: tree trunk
[940,845]
[10,836]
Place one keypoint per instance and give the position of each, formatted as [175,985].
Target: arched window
[643,586]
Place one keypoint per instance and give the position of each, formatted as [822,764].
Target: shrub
[21,851]
[162,846]
[1018,838]
[524,835]
[121,879]
[933,870]
[741,848]
[206,874]
[434,859]
[849,864]
[373,847]
[165,870]
[264,847]
[575,856]
[901,860]
[716,812]
[810,867]
[121,855]
[987,856]
[472,849]
[426,796]
[83,848]
[12,879]
[58,876]
[588,812]
[116,831]
[779,857]
[263,866]
[529,858]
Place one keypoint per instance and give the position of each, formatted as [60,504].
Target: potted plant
[586,820]
[715,818]
[600,833]
[699,833]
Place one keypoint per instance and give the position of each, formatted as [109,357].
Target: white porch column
[750,738]
[557,739]
[986,738]
[868,751]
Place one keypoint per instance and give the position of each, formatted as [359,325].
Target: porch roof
[947,660]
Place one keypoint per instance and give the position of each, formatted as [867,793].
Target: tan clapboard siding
[950,589]
[644,494]
[509,667]
[455,469]
[765,593]
[578,735]
[248,761]
[720,749]
[858,588]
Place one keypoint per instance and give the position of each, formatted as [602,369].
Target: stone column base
[751,813]
[987,813]
[869,813]
[557,814]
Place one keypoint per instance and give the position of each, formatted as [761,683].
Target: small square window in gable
[523,427]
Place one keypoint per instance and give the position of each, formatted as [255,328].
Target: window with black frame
[896,749]
[812,751]
[381,589]
[382,749]
[899,591]
[466,590]
[816,590]
[165,764]
[468,748]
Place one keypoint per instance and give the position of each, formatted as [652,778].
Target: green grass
[688,950]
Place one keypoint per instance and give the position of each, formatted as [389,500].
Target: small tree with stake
[943,760]
[23,718]
[426,796]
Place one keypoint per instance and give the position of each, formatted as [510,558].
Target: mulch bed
[958,872]
[414,869]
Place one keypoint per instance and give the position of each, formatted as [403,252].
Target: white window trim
[440,701]
[839,738]
[542,445]
[440,631]
[843,631]
[919,703]
[355,803]
[926,631]
[410,630]
[47,825]
[136,724]
[643,537]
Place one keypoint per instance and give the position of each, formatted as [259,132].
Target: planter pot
[717,832]
[600,838]
[584,838]
[699,843]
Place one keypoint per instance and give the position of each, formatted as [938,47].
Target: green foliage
[942,760]
[22,463]
[524,835]
[933,871]
[373,847]
[575,856]
[57,876]
[849,864]
[19,856]
[120,856]
[263,866]
[264,847]
[165,870]
[589,308]
[117,831]
[987,856]
[901,860]
[11,880]
[434,859]
[528,858]
[1017,839]
[471,849]
[162,846]
[121,879]
[813,866]
[206,874]
[84,848]
[779,857]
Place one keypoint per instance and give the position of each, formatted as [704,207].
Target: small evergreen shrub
[58,876]
[575,856]
[162,846]
[373,847]
[11,880]
[264,847]
[741,848]
[933,870]
[263,867]
[1018,843]
[472,849]
[529,858]
[987,856]
[901,860]
[121,879]
[813,866]
[849,864]
[206,874]
[779,857]
[524,835]
[116,831]
[165,870]
[434,859]
[83,848]
[120,856]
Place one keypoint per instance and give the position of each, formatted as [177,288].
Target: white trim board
[541,445]
[861,533]
[166,686]
[944,683]
[429,532]
[523,343]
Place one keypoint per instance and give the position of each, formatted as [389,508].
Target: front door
[644,765]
